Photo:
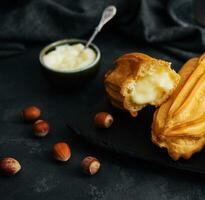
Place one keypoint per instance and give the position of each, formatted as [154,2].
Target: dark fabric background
[26,21]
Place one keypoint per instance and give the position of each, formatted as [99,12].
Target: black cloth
[152,21]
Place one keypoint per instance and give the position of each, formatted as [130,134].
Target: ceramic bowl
[70,79]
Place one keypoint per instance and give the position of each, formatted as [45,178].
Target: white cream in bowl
[68,58]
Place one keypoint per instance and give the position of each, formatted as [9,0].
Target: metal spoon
[107,15]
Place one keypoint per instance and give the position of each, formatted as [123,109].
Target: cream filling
[69,57]
[150,87]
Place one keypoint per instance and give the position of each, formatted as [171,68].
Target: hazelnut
[31,113]
[103,120]
[90,165]
[41,128]
[10,166]
[61,151]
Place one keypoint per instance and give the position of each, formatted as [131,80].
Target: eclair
[179,123]
[138,80]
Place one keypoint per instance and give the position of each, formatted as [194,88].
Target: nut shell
[61,151]
[90,165]
[103,120]
[31,113]
[10,166]
[41,128]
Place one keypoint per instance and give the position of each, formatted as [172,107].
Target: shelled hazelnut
[90,165]
[31,113]
[103,120]
[61,151]
[9,166]
[41,128]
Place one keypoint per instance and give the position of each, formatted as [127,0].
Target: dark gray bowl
[73,79]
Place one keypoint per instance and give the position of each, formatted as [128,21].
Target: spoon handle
[107,15]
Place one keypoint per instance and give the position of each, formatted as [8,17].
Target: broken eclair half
[179,123]
[138,80]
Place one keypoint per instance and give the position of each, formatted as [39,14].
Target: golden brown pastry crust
[179,123]
[131,67]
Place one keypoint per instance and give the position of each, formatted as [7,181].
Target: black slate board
[130,136]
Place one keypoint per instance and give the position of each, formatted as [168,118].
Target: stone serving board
[130,136]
